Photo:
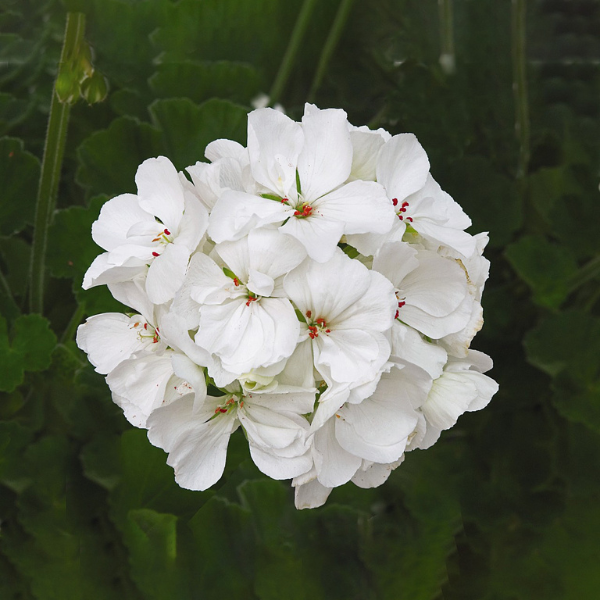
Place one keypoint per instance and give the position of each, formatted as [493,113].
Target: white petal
[102,271]
[408,345]
[311,495]
[362,206]
[403,166]
[318,234]
[116,217]
[197,446]
[108,339]
[375,475]
[279,467]
[160,191]
[326,158]
[334,465]
[166,273]
[223,149]
[191,373]
[274,144]
[193,224]
[366,146]
[133,294]
[237,213]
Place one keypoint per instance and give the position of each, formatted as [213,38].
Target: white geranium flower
[244,320]
[197,440]
[347,309]
[153,232]
[461,388]
[301,168]
[432,291]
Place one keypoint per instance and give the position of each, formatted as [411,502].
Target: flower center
[401,303]
[400,211]
[305,212]
[163,238]
[146,332]
[317,326]
[229,404]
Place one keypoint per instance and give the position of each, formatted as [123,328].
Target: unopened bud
[95,88]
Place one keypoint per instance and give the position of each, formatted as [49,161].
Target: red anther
[241,404]
[167,232]
[405,203]
[136,324]
[297,213]
[230,401]
[309,314]
[400,217]
[155,254]
[236,281]
[409,219]
[395,201]
[250,300]
[145,325]
[218,410]
[401,304]
[321,321]
[284,200]
[156,240]
[313,333]
[223,410]
[328,331]
[403,209]
[396,315]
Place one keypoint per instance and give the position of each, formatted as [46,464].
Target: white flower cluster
[316,288]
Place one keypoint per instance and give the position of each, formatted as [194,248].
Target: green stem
[285,68]
[332,41]
[589,271]
[56,136]
[447,56]
[73,323]
[520,85]
[11,308]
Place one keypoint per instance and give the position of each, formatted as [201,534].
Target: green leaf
[19,175]
[71,249]
[238,82]
[545,267]
[109,159]
[152,541]
[187,128]
[27,349]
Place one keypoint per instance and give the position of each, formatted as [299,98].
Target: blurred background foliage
[504,98]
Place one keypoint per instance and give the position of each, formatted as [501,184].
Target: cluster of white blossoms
[317,289]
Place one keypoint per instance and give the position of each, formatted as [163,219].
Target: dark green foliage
[505,505]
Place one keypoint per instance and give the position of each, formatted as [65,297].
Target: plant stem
[71,327]
[586,273]
[332,41]
[292,50]
[56,135]
[447,56]
[520,85]
[10,306]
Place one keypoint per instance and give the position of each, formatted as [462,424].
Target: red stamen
[395,201]
[156,240]
[401,304]
[321,321]
[400,217]
[250,300]
[236,281]
[145,325]
[155,254]
[328,331]
[396,315]
[409,219]
[284,200]
[242,404]
[309,314]
[167,232]
[405,204]
[403,209]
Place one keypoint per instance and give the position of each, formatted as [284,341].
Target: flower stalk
[330,45]
[56,135]
[292,50]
